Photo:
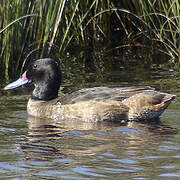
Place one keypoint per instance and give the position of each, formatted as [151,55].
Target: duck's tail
[148,105]
[166,100]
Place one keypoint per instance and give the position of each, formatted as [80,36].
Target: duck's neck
[45,92]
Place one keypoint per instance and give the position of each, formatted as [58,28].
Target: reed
[14,25]
[34,29]
[162,20]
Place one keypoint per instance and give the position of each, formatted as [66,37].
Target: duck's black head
[45,74]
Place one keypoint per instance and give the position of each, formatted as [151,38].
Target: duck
[96,104]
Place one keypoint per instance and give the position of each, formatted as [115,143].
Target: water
[32,148]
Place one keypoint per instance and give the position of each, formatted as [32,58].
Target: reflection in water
[51,139]
[75,149]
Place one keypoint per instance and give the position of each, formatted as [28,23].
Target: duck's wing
[114,93]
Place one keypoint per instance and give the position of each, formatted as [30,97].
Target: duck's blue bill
[18,83]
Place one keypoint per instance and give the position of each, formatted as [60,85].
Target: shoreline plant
[35,29]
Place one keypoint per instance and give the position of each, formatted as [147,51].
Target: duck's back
[103,94]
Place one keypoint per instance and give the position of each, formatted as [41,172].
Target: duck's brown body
[135,103]
[88,111]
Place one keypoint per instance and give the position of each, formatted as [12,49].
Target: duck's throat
[44,92]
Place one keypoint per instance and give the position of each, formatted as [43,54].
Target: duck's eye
[35,66]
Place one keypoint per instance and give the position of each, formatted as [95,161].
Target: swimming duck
[90,104]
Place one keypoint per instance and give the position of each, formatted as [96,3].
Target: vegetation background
[144,32]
